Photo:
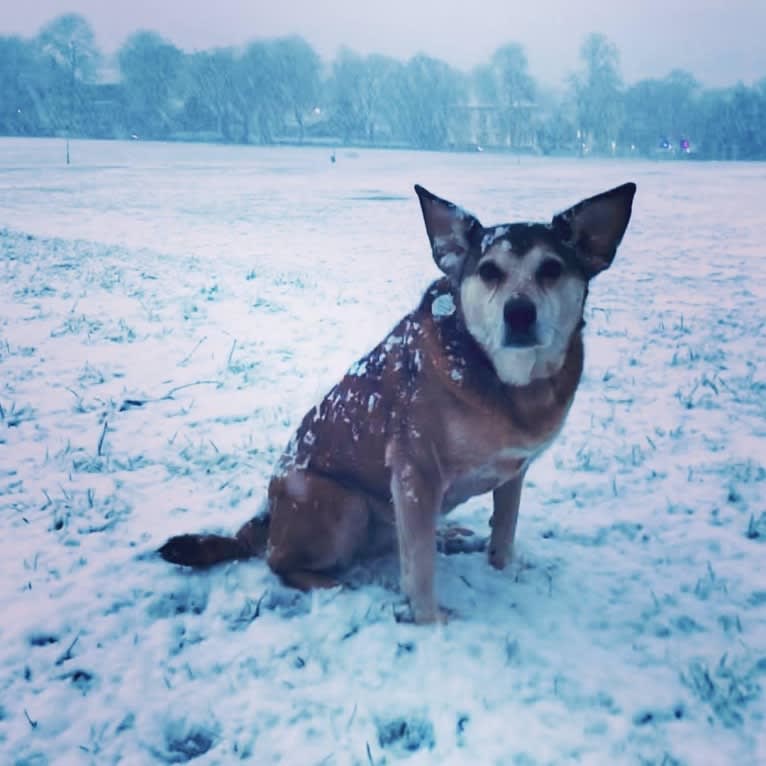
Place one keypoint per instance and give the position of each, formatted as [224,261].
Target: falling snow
[169,315]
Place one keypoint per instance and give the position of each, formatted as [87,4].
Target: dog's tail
[207,550]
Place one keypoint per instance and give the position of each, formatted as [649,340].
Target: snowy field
[168,314]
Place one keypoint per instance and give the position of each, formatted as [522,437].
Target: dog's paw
[439,616]
[436,615]
[499,556]
[459,540]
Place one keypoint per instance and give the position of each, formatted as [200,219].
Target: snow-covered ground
[167,315]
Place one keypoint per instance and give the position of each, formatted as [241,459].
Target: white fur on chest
[489,475]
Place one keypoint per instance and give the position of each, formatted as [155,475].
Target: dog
[457,400]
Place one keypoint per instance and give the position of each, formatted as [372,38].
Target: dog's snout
[520,314]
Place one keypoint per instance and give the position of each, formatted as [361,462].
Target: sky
[719,41]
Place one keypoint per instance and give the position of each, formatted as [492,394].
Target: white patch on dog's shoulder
[443,306]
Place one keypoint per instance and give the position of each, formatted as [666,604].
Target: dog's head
[522,286]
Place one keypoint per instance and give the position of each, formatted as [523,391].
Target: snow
[168,315]
[443,306]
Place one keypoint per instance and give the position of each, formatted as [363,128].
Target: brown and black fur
[423,422]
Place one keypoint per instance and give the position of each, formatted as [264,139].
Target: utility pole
[72,84]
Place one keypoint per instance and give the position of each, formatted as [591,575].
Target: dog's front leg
[416,506]
[506,499]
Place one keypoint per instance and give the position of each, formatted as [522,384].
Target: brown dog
[456,401]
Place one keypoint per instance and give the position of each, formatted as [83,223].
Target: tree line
[280,91]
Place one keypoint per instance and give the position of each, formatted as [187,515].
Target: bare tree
[598,92]
[428,90]
[150,68]
[297,70]
[505,83]
[69,41]
[260,90]
[21,85]
[346,85]
[213,88]
[657,110]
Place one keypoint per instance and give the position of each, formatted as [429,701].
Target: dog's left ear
[450,231]
[595,226]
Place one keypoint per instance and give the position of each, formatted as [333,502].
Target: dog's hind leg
[506,499]
[254,534]
[318,526]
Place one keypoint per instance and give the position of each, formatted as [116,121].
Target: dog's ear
[594,227]
[451,231]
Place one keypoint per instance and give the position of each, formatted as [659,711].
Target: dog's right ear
[450,231]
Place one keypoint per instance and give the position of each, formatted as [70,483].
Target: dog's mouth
[515,338]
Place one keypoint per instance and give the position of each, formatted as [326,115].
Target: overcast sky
[720,41]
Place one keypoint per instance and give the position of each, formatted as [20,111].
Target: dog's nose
[520,314]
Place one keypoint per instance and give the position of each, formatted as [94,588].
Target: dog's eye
[491,273]
[550,270]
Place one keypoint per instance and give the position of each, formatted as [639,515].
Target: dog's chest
[485,477]
[482,454]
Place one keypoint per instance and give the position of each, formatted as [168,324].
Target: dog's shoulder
[445,348]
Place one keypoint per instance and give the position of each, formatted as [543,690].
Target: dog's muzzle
[520,317]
